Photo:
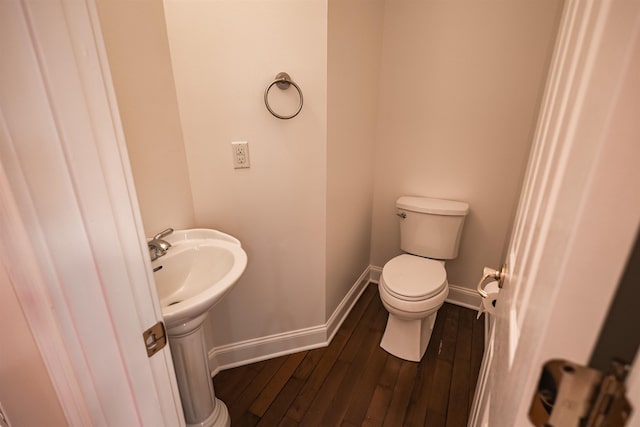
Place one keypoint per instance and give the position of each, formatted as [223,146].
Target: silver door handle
[490,273]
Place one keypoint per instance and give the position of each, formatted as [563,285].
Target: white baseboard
[347,303]
[257,349]
[375,273]
[464,297]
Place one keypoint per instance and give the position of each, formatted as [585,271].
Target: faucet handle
[162,234]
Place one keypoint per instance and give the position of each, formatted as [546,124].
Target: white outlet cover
[240,151]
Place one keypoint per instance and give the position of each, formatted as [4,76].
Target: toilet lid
[410,277]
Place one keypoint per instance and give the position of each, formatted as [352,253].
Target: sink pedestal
[191,362]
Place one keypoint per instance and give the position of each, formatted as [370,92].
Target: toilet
[413,286]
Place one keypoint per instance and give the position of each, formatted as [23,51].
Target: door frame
[72,235]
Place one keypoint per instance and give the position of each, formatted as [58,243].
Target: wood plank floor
[354,382]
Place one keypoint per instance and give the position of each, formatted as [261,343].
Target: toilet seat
[413,278]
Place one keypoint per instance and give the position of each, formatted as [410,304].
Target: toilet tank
[431,227]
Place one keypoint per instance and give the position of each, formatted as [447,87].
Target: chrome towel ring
[283,81]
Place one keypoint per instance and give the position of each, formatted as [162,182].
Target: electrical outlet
[240,154]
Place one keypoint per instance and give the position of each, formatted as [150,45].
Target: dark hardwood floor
[354,382]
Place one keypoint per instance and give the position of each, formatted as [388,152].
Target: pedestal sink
[198,270]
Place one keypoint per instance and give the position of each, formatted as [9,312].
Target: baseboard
[257,349]
[375,273]
[254,350]
[464,297]
[347,303]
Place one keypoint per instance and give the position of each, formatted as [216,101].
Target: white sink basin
[198,270]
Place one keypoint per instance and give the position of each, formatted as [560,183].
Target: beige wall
[459,92]
[136,41]
[354,45]
[26,392]
[224,55]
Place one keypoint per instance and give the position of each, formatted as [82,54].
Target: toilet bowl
[412,289]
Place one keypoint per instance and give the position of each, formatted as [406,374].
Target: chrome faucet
[157,246]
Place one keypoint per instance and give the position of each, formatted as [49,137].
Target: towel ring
[283,81]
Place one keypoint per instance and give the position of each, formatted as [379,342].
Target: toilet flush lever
[490,273]
[402,215]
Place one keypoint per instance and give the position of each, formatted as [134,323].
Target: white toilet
[413,286]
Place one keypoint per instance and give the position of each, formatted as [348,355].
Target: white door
[578,213]
[71,239]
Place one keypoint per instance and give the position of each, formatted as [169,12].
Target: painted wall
[136,40]
[354,46]
[460,88]
[224,54]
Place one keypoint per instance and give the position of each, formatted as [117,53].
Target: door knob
[490,273]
